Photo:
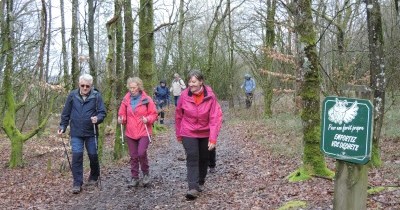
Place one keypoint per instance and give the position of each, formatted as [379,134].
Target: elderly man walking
[83,111]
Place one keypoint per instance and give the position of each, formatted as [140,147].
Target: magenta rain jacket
[134,127]
[198,121]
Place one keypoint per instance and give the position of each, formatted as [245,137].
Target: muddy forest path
[246,177]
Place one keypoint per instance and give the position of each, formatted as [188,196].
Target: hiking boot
[76,189]
[192,194]
[92,182]
[133,183]
[146,180]
[201,188]
[212,170]
[182,157]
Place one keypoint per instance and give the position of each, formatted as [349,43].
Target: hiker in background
[249,85]
[176,87]
[137,112]
[161,95]
[83,111]
[198,120]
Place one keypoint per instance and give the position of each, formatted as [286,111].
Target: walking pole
[66,153]
[95,141]
[147,131]
[122,135]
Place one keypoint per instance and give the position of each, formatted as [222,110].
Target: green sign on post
[346,129]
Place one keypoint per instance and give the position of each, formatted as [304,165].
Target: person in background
[137,112]
[176,87]
[249,85]
[161,93]
[83,111]
[198,120]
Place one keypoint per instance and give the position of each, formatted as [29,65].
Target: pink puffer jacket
[135,128]
[198,121]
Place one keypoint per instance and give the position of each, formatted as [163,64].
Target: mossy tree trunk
[11,107]
[266,82]
[119,75]
[128,22]
[109,99]
[377,74]
[313,159]
[146,45]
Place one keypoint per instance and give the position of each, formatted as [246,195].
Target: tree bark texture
[351,182]
[180,38]
[146,45]
[128,22]
[377,74]
[313,160]
[231,70]
[75,71]
[111,79]
[11,107]
[65,68]
[92,60]
[212,36]
[266,82]
[47,69]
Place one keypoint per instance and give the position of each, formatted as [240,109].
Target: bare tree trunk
[47,71]
[231,59]
[2,36]
[64,53]
[377,74]
[92,61]
[74,45]
[40,66]
[397,8]
[212,34]
[180,38]
[146,45]
[43,35]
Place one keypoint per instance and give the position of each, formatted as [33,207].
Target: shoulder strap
[146,102]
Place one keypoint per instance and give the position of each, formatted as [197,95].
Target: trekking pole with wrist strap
[147,131]
[95,141]
[66,153]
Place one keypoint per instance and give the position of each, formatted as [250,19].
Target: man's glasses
[85,86]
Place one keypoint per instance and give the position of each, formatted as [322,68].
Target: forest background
[304,49]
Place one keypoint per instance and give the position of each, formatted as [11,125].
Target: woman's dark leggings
[212,159]
[197,157]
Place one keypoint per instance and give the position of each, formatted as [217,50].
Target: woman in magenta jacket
[198,120]
[137,112]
